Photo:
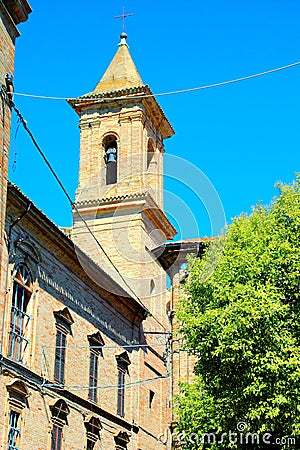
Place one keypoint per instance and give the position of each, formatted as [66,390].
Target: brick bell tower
[120,189]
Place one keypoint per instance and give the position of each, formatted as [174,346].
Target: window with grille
[93,376]
[14,431]
[60,356]
[19,318]
[56,437]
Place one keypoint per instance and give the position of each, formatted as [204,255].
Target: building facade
[87,356]
[12,12]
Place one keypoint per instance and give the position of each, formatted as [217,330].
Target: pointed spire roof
[121,72]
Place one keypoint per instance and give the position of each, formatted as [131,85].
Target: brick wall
[59,281]
[11,14]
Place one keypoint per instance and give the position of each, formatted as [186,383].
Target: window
[96,344]
[150,153]
[93,428]
[60,356]
[151,397]
[152,286]
[59,412]
[19,318]
[93,378]
[121,391]
[121,440]
[18,394]
[90,444]
[123,362]
[63,327]
[56,437]
[14,431]
[110,157]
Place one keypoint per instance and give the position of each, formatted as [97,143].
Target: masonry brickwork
[11,14]
[86,351]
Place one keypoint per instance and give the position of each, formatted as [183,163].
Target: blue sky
[244,137]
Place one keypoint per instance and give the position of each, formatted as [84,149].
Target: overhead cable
[180,91]
[105,347]
[113,386]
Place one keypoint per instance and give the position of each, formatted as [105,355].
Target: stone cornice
[15,11]
[140,94]
[142,201]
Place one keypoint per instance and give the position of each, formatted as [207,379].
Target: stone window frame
[122,438]
[93,428]
[18,394]
[110,141]
[64,322]
[96,343]
[59,418]
[21,304]
[123,363]
[24,254]
[150,153]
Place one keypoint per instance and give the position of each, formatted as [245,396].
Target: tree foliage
[243,325]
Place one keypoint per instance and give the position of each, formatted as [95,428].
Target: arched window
[110,156]
[150,153]
[152,286]
[19,317]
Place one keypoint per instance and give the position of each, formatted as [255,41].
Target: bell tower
[120,188]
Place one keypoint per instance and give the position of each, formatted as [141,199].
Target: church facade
[87,350]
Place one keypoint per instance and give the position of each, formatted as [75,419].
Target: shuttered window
[121,391]
[93,376]
[60,356]
[56,437]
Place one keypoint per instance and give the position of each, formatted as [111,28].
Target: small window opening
[150,153]
[110,157]
[151,398]
[152,286]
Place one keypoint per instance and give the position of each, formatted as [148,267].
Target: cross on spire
[123,17]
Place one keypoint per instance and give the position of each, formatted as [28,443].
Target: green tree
[243,325]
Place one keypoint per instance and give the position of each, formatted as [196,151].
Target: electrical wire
[181,91]
[105,347]
[113,386]
[74,206]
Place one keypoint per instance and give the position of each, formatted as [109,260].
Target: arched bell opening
[110,156]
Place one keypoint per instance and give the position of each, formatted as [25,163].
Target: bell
[111,157]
